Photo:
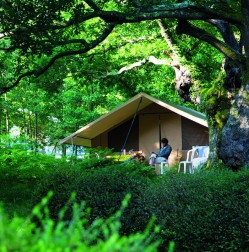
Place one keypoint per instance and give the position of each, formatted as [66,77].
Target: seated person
[152,159]
[163,153]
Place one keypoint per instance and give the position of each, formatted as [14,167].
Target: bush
[205,212]
[19,234]
[20,171]
[102,189]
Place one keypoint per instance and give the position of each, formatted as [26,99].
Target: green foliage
[215,104]
[207,211]
[21,234]
[210,207]
[102,189]
[80,88]
[203,212]
[20,171]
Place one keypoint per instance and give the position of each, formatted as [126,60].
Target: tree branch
[92,4]
[7,89]
[139,63]
[37,73]
[245,14]
[54,44]
[135,3]
[183,10]
[76,21]
[226,32]
[168,40]
[2,35]
[185,27]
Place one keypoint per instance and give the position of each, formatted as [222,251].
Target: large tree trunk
[213,145]
[234,142]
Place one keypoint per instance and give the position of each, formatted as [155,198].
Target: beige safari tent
[139,123]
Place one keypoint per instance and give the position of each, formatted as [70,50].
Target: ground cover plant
[207,211]
[22,234]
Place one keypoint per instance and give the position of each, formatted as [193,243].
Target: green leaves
[77,234]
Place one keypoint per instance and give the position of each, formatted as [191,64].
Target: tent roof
[123,112]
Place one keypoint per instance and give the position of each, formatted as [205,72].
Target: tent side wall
[126,132]
[116,137]
[149,134]
[100,140]
[156,122]
[193,134]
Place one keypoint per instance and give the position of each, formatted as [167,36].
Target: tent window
[193,134]
[117,136]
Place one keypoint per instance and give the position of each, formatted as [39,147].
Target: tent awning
[122,113]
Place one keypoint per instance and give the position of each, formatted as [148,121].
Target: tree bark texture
[234,144]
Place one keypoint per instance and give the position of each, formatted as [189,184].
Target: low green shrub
[19,234]
[102,189]
[202,212]
[207,211]
[22,169]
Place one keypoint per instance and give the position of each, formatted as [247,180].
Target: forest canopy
[37,36]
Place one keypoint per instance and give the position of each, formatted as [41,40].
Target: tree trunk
[6,114]
[25,127]
[213,145]
[234,144]
[1,113]
[30,131]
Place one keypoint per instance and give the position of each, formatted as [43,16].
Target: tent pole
[72,146]
[36,132]
[160,131]
[54,149]
[127,136]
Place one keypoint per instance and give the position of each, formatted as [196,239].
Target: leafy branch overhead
[50,30]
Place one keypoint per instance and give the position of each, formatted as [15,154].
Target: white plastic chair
[195,157]
[203,153]
[187,164]
[163,165]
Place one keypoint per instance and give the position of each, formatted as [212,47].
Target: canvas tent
[145,119]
